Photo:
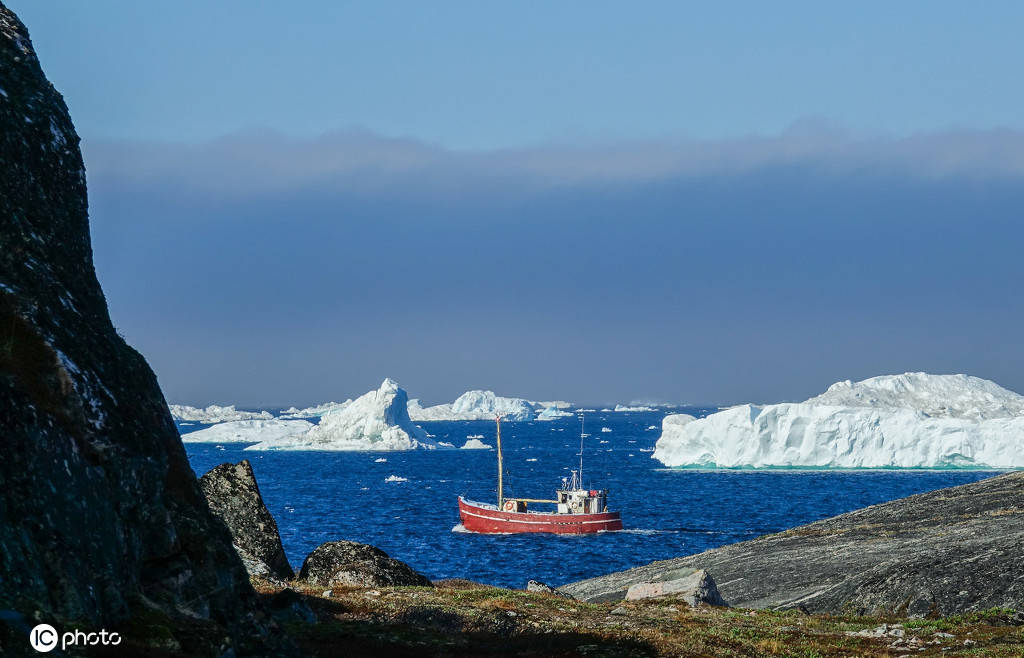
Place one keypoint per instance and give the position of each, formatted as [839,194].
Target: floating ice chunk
[378,420]
[552,413]
[241,431]
[380,460]
[606,429]
[215,414]
[474,436]
[914,420]
[474,405]
[532,459]
[622,407]
[652,427]
[475,444]
[445,444]
[395,478]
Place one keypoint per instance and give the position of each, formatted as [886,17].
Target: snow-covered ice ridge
[215,414]
[378,420]
[913,420]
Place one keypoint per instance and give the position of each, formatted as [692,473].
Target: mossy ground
[458,618]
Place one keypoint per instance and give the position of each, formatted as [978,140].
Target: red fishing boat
[576,510]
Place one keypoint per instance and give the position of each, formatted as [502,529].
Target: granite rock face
[350,563]
[234,496]
[938,553]
[101,517]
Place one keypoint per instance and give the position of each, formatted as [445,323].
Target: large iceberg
[914,420]
[239,431]
[378,420]
[474,405]
[215,414]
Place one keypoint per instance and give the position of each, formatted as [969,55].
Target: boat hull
[477,518]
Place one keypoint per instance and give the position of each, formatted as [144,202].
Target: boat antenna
[582,434]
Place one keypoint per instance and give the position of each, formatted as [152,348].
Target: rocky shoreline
[944,552]
[104,524]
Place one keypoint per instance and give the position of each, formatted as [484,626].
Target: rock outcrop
[361,565]
[101,517]
[939,553]
[234,496]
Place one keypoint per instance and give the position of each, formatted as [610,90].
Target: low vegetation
[460,618]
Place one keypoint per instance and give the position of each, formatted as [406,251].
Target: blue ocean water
[323,496]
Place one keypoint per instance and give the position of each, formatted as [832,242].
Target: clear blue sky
[487,74]
[590,201]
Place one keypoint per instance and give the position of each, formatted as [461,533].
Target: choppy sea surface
[413,516]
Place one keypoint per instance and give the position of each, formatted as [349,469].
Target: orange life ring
[510,505]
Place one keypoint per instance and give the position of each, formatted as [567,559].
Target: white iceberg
[215,414]
[475,444]
[315,411]
[240,431]
[914,420]
[557,404]
[606,429]
[552,413]
[622,407]
[395,478]
[378,420]
[474,405]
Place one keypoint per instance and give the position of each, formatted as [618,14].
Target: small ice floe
[631,441]
[395,478]
[606,429]
[475,444]
[646,449]
[474,436]
[652,427]
[219,447]
[603,442]
[532,459]
[380,460]
[631,455]
[445,444]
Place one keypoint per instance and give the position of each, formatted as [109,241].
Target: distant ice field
[406,505]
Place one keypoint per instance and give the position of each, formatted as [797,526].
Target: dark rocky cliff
[101,517]
[938,553]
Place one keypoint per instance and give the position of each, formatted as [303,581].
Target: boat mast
[582,434]
[501,501]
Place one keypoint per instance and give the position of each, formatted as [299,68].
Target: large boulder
[234,496]
[361,565]
[695,586]
[101,518]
